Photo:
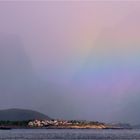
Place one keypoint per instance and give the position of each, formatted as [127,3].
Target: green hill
[21,115]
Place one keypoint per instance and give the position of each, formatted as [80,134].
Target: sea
[69,134]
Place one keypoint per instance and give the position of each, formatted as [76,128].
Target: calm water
[53,134]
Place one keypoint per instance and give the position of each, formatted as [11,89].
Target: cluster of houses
[45,123]
[65,124]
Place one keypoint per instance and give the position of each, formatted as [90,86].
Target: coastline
[63,127]
[60,124]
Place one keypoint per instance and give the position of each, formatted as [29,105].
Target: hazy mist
[71,60]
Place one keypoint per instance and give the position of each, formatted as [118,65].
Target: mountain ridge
[17,114]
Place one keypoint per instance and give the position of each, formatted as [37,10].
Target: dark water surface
[53,134]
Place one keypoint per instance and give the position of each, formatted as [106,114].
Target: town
[65,124]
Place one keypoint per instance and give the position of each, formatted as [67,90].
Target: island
[30,119]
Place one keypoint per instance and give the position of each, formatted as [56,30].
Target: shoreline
[64,127]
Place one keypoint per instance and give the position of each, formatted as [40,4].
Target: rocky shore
[60,124]
[74,124]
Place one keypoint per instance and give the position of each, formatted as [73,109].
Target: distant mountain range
[21,115]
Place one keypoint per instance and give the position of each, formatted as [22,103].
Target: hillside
[21,115]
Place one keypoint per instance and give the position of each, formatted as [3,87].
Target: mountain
[21,115]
